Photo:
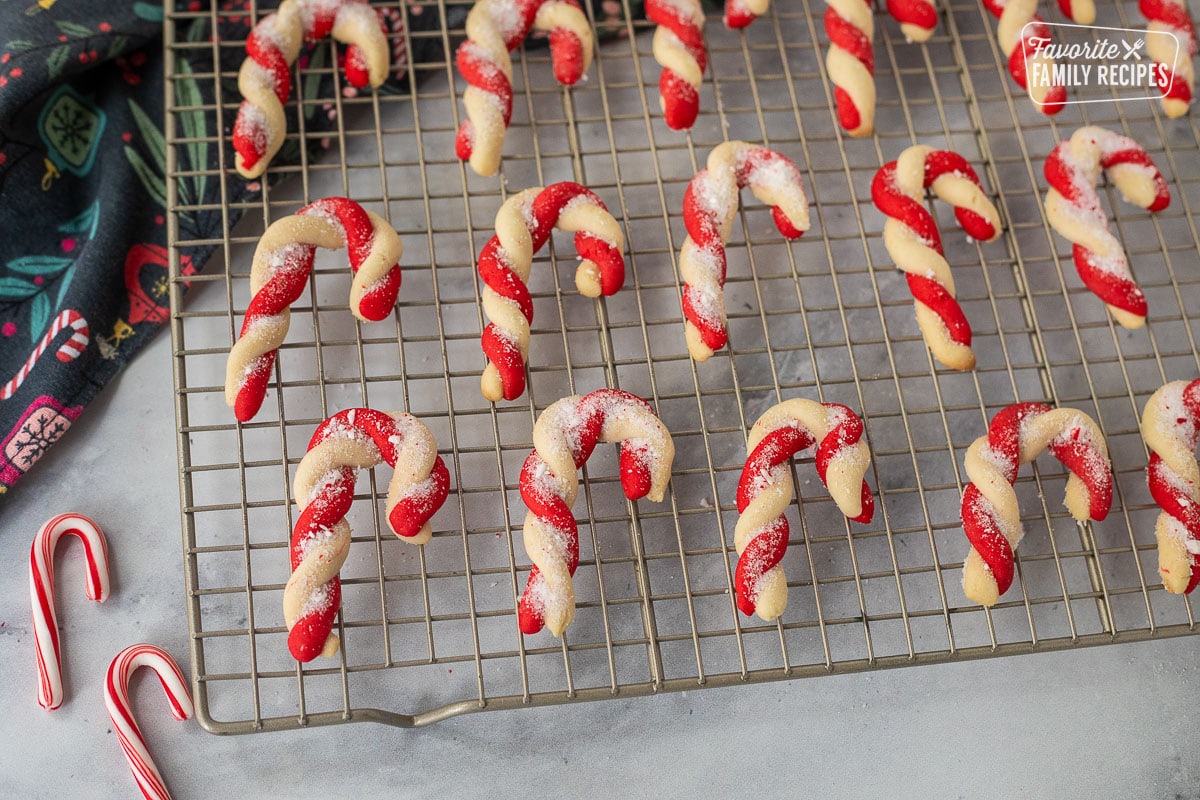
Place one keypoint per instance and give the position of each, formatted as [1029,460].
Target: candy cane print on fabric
[68,351]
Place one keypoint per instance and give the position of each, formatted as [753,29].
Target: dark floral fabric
[83,259]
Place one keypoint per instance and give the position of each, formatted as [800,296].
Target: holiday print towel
[83,259]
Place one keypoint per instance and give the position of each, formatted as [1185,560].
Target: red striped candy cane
[41,594]
[116,697]
[70,350]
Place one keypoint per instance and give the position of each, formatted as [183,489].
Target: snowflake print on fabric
[42,424]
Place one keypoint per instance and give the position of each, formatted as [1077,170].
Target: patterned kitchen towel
[83,260]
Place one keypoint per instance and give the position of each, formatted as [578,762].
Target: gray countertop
[1113,721]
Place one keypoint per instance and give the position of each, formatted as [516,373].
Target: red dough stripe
[920,13]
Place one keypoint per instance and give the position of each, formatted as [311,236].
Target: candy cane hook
[41,594]
[116,698]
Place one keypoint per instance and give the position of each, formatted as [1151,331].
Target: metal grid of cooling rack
[432,633]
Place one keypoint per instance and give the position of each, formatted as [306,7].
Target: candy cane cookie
[67,352]
[282,263]
[265,79]
[1018,29]
[523,226]
[350,440]
[850,61]
[917,18]
[1174,51]
[740,13]
[494,28]
[564,437]
[1171,428]
[41,594]
[679,50]
[765,490]
[116,699]
[912,240]
[990,516]
[1082,12]
[709,206]
[1073,209]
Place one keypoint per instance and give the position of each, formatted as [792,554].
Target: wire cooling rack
[430,633]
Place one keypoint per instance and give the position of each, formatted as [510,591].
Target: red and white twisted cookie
[679,50]
[1073,209]
[917,18]
[1019,23]
[991,518]
[1175,51]
[265,79]
[709,206]
[1082,12]
[564,437]
[912,240]
[740,13]
[116,698]
[41,594]
[282,263]
[495,27]
[358,438]
[765,491]
[523,225]
[1171,428]
[850,26]
[67,352]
